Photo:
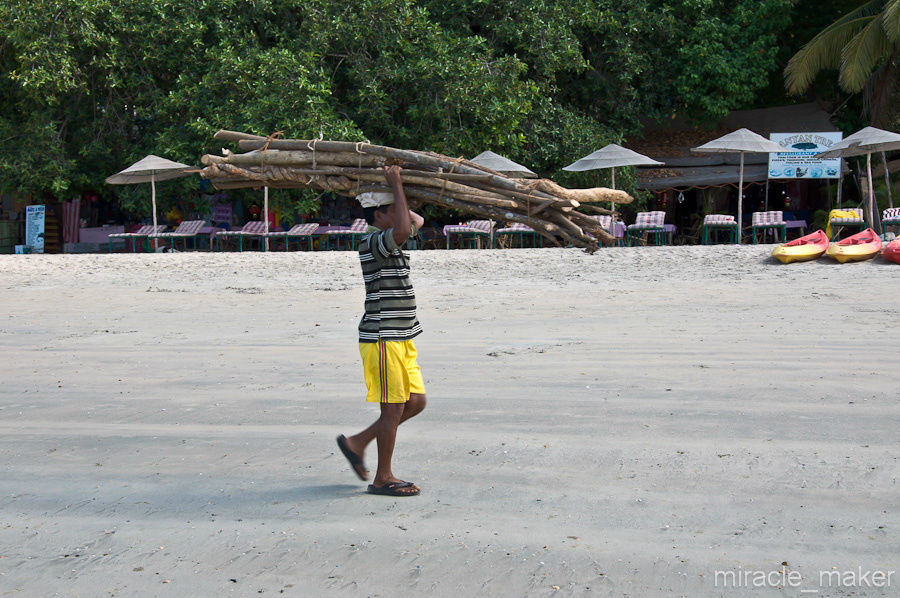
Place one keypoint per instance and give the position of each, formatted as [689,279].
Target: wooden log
[536,197]
[271,176]
[421,159]
[255,161]
[296,158]
[594,195]
[224,135]
[589,207]
[430,159]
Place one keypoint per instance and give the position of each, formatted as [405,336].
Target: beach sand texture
[622,424]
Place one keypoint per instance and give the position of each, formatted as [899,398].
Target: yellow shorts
[391,371]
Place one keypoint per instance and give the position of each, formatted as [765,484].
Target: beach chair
[431,237]
[298,231]
[653,224]
[473,230]
[353,233]
[719,222]
[766,221]
[256,231]
[605,221]
[254,228]
[838,219]
[188,229]
[514,230]
[890,217]
[142,233]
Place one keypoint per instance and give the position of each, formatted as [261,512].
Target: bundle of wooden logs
[348,168]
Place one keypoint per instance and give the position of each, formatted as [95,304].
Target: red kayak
[800,250]
[892,251]
[856,248]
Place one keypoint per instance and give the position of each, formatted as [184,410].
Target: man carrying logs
[386,331]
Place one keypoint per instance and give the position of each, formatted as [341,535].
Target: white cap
[374,199]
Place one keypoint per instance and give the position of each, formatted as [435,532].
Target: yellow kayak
[856,248]
[803,249]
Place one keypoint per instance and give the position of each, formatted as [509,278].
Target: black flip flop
[356,462]
[392,489]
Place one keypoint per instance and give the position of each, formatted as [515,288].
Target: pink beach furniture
[765,221]
[719,222]
[474,230]
[298,231]
[144,232]
[189,229]
[353,232]
[517,229]
[653,224]
[605,221]
[837,224]
[254,228]
[891,217]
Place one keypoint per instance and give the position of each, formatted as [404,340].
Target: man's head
[377,208]
[379,217]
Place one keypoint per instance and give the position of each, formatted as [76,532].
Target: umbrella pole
[740,213]
[767,194]
[871,191]
[840,182]
[153,203]
[612,207]
[266,214]
[887,180]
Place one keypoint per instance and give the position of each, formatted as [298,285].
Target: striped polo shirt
[390,300]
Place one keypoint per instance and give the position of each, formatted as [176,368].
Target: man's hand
[392,176]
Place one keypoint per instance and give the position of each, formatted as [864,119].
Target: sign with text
[34,228]
[797,161]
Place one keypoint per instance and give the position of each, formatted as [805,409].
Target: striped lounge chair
[142,233]
[254,228]
[298,231]
[517,229]
[765,221]
[353,233]
[653,224]
[188,229]
[838,219]
[605,221]
[474,230]
[891,217]
[719,222]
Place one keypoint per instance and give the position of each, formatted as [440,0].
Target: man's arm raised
[400,219]
[417,221]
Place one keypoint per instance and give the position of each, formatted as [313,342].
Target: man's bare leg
[358,442]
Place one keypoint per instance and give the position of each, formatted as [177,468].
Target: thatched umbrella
[489,159]
[741,141]
[865,142]
[149,170]
[611,156]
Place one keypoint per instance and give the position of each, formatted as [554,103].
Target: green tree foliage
[89,86]
[864,45]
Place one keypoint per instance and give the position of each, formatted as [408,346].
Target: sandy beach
[623,424]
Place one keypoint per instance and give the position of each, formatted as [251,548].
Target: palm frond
[891,20]
[824,50]
[862,54]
